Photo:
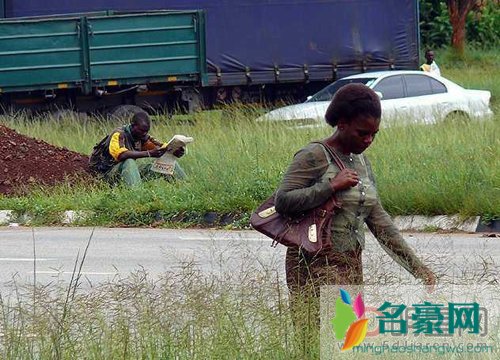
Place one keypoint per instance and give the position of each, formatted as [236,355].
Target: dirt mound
[25,162]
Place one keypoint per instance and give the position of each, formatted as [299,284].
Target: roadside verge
[403,223]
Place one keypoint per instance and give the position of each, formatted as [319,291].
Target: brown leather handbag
[310,230]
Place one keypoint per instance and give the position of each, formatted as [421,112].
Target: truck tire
[193,98]
[62,114]
[125,112]
[221,95]
[236,94]
[240,95]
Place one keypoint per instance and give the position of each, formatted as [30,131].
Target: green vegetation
[187,313]
[482,25]
[182,315]
[477,70]
[235,163]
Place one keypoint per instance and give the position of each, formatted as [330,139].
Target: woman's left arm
[381,225]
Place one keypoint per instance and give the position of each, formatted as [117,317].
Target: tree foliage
[458,10]
[457,22]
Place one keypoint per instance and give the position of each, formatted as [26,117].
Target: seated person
[127,153]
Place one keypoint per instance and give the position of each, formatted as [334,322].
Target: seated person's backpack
[100,160]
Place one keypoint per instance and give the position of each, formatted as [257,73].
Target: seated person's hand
[156,153]
[179,152]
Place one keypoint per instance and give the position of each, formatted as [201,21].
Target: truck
[98,62]
[252,50]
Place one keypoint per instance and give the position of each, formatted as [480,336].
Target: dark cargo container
[289,47]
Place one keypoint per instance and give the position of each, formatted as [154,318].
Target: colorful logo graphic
[395,327]
[349,322]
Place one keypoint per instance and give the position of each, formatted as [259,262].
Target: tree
[458,10]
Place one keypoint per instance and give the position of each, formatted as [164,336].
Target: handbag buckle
[267,212]
[312,233]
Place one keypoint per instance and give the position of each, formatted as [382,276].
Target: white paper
[166,163]
[177,142]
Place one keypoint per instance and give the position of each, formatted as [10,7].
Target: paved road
[118,252]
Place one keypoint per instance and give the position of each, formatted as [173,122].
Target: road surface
[114,253]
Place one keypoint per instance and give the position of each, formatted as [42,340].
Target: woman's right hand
[345,179]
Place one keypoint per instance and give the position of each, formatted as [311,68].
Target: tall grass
[479,69]
[187,313]
[444,168]
[236,162]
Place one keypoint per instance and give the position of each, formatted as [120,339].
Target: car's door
[393,101]
[427,98]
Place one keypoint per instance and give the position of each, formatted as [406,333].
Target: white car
[406,96]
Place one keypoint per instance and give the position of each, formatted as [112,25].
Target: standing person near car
[312,178]
[128,152]
[430,65]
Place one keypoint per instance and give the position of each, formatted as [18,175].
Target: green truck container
[99,61]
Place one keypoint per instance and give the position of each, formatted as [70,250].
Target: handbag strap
[333,154]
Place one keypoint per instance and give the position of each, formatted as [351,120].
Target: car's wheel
[457,116]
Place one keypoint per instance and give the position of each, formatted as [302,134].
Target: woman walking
[312,178]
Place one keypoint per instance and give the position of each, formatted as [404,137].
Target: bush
[482,27]
[435,27]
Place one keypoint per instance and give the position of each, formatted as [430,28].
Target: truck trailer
[254,50]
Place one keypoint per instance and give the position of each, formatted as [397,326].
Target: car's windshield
[327,93]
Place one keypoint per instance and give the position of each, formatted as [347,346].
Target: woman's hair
[351,101]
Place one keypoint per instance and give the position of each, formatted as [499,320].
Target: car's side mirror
[380,95]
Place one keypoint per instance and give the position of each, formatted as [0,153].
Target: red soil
[25,162]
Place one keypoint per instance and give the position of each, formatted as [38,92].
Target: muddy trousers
[132,172]
[306,273]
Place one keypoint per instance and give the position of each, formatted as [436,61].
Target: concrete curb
[403,223]
[440,222]
[5,216]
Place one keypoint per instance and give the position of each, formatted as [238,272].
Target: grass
[431,170]
[187,313]
[477,70]
[235,163]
